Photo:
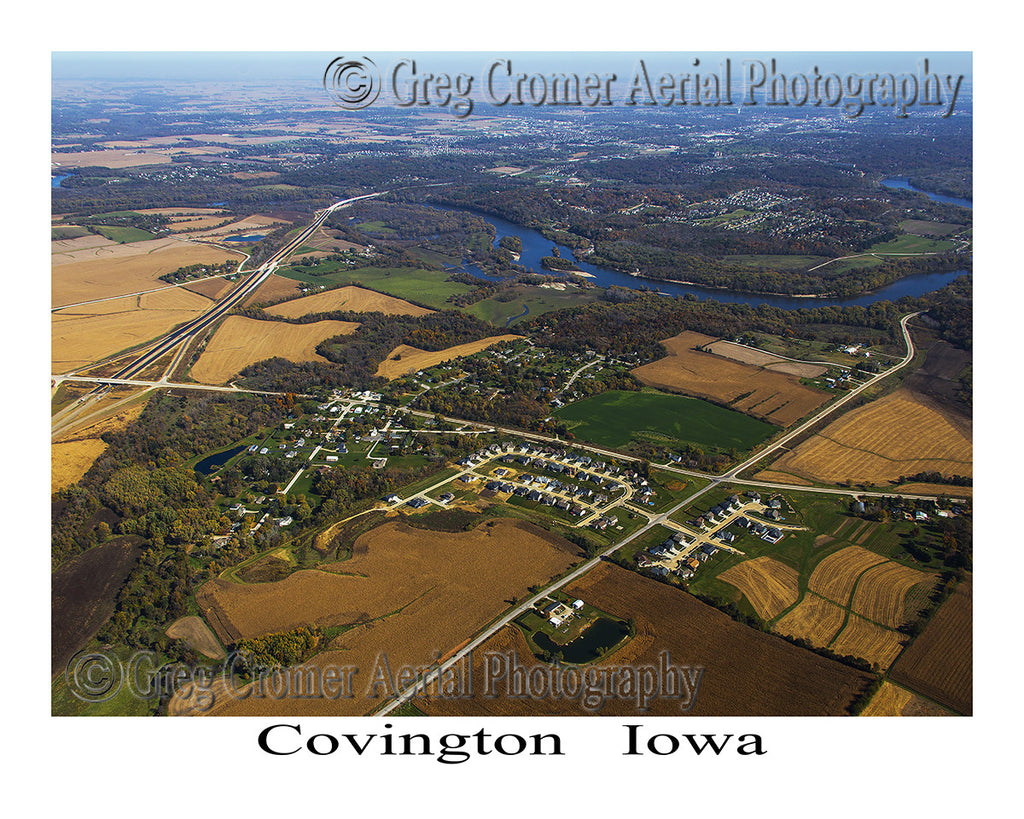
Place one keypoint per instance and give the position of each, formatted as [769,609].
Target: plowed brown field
[939,663]
[414,593]
[773,396]
[746,672]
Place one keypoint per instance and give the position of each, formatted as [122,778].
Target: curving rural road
[653,520]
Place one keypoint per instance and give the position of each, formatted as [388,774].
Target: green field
[911,244]
[539,300]
[67,232]
[123,235]
[426,287]
[615,417]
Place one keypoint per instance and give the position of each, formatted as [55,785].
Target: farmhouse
[556,611]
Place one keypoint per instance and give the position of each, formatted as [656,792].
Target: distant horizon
[250,66]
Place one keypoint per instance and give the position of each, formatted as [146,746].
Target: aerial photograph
[511,384]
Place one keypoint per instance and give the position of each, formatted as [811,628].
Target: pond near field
[599,636]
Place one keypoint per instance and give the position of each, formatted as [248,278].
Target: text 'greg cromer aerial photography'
[512,384]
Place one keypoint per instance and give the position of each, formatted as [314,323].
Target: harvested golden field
[273,289]
[773,396]
[783,477]
[836,575]
[900,434]
[354,299]
[244,226]
[66,248]
[935,489]
[91,332]
[411,593]
[770,361]
[864,639]
[745,672]
[115,270]
[895,701]
[769,585]
[405,359]
[815,619]
[241,341]
[113,158]
[881,594]
[197,635]
[939,663]
[70,460]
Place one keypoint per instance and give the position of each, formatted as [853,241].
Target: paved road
[654,520]
[188,331]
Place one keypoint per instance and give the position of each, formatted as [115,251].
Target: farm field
[82,595]
[899,434]
[770,586]
[114,270]
[354,299]
[834,580]
[939,662]
[836,575]
[536,300]
[73,453]
[862,638]
[911,244]
[70,460]
[211,288]
[814,619]
[90,332]
[759,358]
[894,701]
[197,635]
[773,396]
[746,672]
[71,240]
[242,341]
[613,418]
[405,359]
[449,586]
[243,226]
[274,288]
[428,288]
[120,158]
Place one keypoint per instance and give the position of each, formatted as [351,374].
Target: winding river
[535,246]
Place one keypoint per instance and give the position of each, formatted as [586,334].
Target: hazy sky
[293,66]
